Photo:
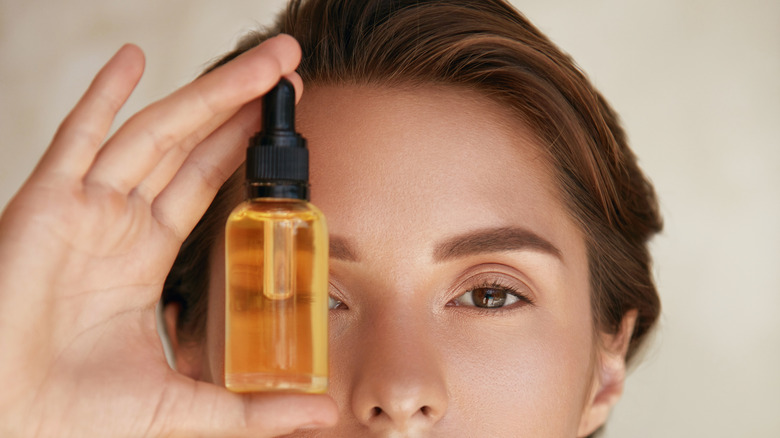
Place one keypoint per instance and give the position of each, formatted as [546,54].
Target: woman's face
[462,281]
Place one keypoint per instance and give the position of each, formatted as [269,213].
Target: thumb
[204,409]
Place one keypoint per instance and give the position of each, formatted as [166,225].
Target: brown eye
[487,298]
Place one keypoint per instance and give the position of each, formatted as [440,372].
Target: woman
[490,274]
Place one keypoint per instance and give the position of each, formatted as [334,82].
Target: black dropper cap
[277,161]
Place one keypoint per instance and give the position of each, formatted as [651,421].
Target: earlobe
[187,357]
[610,375]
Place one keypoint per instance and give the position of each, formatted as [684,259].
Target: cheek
[533,373]
[534,367]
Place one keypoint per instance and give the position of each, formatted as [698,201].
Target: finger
[83,131]
[181,204]
[288,413]
[170,165]
[139,145]
[297,82]
[172,161]
[204,409]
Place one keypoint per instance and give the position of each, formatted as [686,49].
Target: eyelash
[522,299]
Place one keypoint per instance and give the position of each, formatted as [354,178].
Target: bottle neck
[277,189]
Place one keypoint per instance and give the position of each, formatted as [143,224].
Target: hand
[85,247]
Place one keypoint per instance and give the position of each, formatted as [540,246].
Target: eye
[335,304]
[491,296]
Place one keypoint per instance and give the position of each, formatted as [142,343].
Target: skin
[399,173]
[85,247]
[88,240]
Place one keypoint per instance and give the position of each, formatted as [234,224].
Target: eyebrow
[340,249]
[493,240]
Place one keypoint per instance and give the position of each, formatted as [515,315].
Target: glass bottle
[276,265]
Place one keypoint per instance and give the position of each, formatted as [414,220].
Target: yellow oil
[276,333]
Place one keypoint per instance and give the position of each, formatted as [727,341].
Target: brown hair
[490,47]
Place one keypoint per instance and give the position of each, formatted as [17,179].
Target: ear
[609,375]
[187,356]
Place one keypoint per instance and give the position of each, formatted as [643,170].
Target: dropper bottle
[276,255]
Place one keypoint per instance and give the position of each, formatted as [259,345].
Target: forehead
[403,158]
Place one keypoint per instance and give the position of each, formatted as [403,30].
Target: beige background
[697,83]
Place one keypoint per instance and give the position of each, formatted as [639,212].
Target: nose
[400,383]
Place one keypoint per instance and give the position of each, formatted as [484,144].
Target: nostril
[426,411]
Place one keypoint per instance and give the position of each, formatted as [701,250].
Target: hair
[490,47]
